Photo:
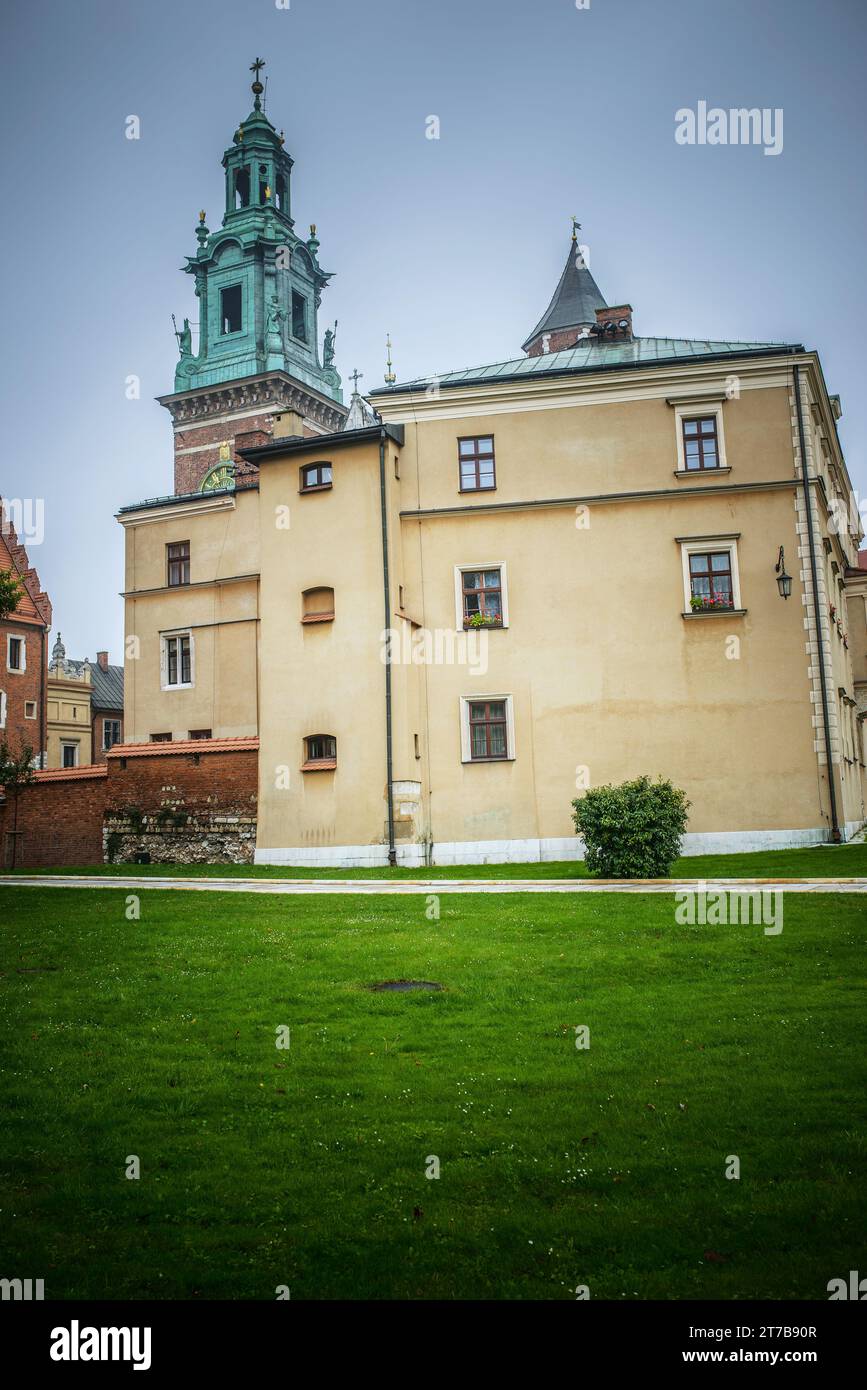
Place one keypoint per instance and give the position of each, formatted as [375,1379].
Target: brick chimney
[102,660]
[614,324]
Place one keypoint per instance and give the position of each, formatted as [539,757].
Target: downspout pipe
[386,589]
[836,837]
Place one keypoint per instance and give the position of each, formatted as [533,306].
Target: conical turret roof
[575,301]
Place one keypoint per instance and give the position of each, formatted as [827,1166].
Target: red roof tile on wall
[183,745]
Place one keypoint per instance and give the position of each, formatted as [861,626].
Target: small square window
[315,477]
[320,753]
[29,709]
[200,733]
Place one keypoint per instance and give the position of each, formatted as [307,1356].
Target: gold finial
[390,377]
[576,227]
[312,228]
[202,216]
[240,133]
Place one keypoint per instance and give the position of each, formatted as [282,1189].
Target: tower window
[242,188]
[280,190]
[299,316]
[230,309]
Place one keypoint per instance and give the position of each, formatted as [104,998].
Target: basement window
[200,733]
[317,605]
[320,752]
[230,309]
[299,316]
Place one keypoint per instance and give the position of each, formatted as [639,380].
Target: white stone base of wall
[528,851]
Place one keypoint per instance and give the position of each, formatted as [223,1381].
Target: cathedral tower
[257,369]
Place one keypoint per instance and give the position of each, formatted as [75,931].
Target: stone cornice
[273,391]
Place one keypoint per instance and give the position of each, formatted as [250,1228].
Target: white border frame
[699,410]
[710,545]
[164,659]
[460,571]
[466,701]
[16,637]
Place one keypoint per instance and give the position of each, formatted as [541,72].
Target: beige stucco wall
[607,678]
[220,607]
[68,719]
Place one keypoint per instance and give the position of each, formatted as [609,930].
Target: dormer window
[315,477]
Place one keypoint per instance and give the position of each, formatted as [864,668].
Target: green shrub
[633,830]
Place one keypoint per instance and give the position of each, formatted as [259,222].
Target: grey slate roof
[107,687]
[594,356]
[575,301]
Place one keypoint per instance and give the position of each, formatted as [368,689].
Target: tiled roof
[69,774]
[183,745]
[592,356]
[34,606]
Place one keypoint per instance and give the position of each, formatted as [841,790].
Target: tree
[10,593]
[16,771]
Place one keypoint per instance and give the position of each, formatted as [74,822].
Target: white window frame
[165,638]
[109,720]
[702,545]
[461,570]
[700,410]
[3,704]
[75,746]
[16,637]
[466,701]
[35,714]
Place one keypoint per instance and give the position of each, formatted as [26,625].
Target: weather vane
[390,377]
[576,227]
[256,67]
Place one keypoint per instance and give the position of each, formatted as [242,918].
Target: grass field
[306,1167]
[825,861]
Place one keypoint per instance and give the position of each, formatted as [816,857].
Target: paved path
[302,886]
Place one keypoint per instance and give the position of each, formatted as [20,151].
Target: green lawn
[825,861]
[263,1167]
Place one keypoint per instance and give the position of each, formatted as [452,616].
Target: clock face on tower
[221,476]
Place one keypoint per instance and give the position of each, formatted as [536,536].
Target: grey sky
[454,246]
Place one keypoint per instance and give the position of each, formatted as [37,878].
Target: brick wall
[22,687]
[196,803]
[206,439]
[59,820]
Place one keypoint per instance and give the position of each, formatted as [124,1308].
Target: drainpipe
[389,759]
[817,617]
[43,712]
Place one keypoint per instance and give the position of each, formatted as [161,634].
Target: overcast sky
[452,245]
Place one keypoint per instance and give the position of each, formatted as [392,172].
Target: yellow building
[69,690]
[611,556]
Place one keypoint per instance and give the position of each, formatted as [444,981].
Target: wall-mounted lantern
[784,581]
